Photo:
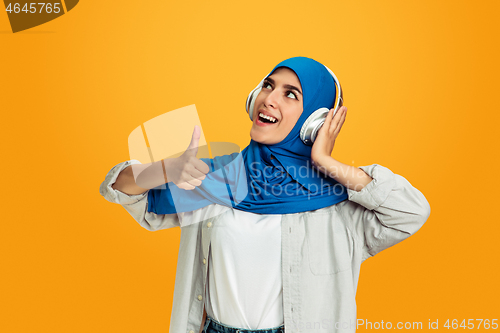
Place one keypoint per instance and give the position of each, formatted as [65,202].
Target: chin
[258,137]
[255,137]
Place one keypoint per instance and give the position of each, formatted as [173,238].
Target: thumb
[193,145]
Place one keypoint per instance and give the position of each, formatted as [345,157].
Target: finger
[334,122]
[195,173]
[201,166]
[328,119]
[341,122]
[195,139]
[337,119]
[339,110]
[326,125]
[186,186]
[194,182]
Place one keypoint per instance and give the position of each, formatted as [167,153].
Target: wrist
[168,166]
[323,161]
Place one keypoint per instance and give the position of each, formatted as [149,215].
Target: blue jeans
[213,326]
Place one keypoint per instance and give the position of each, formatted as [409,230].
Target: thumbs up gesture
[187,171]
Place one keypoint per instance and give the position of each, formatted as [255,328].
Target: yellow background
[421,85]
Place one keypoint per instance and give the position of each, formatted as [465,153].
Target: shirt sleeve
[136,205]
[386,211]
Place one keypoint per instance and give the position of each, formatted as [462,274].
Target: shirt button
[204,261]
[209,224]
[200,298]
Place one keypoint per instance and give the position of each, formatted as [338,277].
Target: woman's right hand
[187,171]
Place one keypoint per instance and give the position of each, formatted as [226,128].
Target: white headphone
[313,123]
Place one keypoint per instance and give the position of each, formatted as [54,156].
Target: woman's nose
[272,99]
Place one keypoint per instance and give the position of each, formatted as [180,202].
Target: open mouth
[267,119]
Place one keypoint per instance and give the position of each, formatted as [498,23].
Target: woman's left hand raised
[325,140]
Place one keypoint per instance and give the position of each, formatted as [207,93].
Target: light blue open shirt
[321,250]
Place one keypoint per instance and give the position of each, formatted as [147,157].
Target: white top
[244,272]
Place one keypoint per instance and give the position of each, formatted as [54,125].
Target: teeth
[267,117]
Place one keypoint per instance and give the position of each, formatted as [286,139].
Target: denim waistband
[219,327]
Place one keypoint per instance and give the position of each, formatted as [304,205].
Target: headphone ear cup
[312,125]
[250,104]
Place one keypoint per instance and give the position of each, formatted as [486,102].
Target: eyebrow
[288,86]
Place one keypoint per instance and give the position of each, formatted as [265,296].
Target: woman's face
[277,107]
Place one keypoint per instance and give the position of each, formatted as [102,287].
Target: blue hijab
[266,179]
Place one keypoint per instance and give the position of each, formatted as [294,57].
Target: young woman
[285,257]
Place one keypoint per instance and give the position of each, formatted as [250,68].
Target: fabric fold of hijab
[266,179]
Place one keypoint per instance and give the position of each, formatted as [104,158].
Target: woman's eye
[290,94]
